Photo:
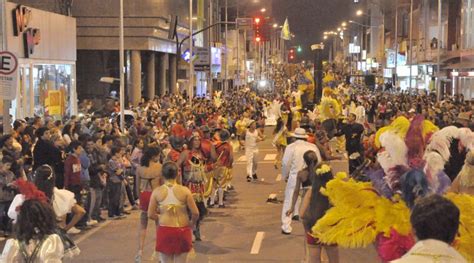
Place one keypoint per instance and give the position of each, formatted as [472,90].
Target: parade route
[247,230]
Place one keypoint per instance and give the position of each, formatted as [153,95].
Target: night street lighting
[359,12]
[325,37]
[263,10]
[275,25]
[344,24]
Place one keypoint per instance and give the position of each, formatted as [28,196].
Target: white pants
[286,220]
[251,156]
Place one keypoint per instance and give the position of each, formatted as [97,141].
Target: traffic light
[291,55]
[257,27]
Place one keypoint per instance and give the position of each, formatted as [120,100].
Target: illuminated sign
[22,16]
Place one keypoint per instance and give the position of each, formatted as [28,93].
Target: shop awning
[460,65]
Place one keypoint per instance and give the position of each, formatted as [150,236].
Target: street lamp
[344,24]
[325,37]
[275,25]
[359,12]
[263,10]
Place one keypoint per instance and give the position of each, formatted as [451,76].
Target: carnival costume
[412,157]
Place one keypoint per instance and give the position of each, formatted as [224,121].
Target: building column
[162,74]
[172,71]
[136,77]
[150,79]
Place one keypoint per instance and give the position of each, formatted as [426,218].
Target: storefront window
[52,86]
[468,24]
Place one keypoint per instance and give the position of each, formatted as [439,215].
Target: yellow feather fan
[464,242]
[329,108]
[399,126]
[358,214]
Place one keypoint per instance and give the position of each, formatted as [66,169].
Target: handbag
[70,248]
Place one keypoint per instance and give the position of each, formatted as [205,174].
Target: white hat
[300,133]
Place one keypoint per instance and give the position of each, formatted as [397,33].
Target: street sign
[244,22]
[201,57]
[8,75]
[317,46]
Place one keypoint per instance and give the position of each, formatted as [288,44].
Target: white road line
[260,162]
[278,179]
[257,243]
[92,231]
[270,157]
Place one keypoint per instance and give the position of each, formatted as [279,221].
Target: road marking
[259,163]
[242,158]
[278,179]
[92,231]
[257,243]
[270,157]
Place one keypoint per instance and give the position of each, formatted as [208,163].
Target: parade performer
[329,111]
[412,157]
[210,157]
[223,168]
[192,162]
[252,137]
[314,207]
[280,140]
[169,205]
[292,163]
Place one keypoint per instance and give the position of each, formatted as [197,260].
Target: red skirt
[145,200]
[174,240]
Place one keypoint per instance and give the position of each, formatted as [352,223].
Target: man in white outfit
[252,137]
[292,163]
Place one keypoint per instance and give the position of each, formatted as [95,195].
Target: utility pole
[225,49]
[438,81]
[395,79]
[191,68]
[122,73]
[411,44]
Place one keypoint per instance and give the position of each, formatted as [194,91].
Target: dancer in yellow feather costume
[359,214]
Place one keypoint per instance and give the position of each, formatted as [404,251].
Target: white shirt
[251,139]
[431,251]
[293,161]
[63,201]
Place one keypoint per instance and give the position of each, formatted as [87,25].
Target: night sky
[310,18]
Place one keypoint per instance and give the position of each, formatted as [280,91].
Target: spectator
[435,221]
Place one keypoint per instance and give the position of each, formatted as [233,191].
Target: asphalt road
[247,230]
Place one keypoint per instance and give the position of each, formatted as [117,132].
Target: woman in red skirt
[169,204]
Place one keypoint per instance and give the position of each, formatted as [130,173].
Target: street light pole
[411,44]
[122,73]
[191,68]
[438,82]
[225,49]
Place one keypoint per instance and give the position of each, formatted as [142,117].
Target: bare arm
[153,212]
[305,204]
[78,212]
[192,208]
[295,195]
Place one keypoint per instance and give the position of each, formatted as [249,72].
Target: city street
[247,230]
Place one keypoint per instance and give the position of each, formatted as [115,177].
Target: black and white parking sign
[8,75]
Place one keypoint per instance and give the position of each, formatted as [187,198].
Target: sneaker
[254,177]
[135,207]
[249,179]
[222,206]
[92,222]
[295,218]
[113,217]
[73,231]
[101,219]
[138,258]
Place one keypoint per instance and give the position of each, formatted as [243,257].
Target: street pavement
[247,230]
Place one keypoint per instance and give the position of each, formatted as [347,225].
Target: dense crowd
[174,159]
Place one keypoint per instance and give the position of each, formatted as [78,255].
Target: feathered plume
[30,191]
[414,139]
[395,153]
